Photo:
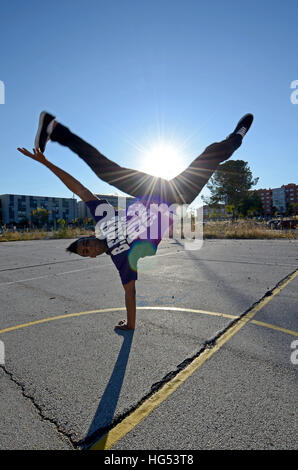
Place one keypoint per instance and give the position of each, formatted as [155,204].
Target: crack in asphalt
[208,344]
[85,443]
[38,409]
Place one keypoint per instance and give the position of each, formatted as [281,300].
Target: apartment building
[291,194]
[266,197]
[282,199]
[16,207]
[279,200]
[115,201]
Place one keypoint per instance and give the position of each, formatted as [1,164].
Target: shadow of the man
[108,403]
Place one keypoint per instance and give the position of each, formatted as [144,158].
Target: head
[88,246]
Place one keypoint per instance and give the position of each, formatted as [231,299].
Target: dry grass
[43,235]
[245,230]
[227,229]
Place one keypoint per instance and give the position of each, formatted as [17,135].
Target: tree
[23,222]
[251,205]
[230,184]
[230,208]
[274,211]
[40,216]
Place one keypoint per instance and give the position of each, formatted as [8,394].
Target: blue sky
[125,75]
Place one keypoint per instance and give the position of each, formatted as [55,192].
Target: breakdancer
[127,238]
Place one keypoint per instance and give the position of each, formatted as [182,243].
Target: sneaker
[243,125]
[42,135]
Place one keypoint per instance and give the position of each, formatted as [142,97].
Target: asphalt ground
[211,364]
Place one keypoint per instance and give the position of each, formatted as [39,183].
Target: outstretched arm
[74,185]
[130,303]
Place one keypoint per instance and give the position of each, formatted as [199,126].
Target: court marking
[7,283]
[105,265]
[173,309]
[149,405]
[112,309]
[275,327]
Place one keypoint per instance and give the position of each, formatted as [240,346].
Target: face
[88,247]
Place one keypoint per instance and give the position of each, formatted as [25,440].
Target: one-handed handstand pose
[127,246]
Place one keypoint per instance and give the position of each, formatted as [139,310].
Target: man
[127,237]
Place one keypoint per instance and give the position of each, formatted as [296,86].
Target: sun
[163,159]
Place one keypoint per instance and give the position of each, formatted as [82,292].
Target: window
[22,204]
[33,203]
[11,214]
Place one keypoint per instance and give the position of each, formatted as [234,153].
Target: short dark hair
[73,247]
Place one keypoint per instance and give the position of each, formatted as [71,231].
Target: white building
[279,199]
[214,212]
[115,201]
[15,207]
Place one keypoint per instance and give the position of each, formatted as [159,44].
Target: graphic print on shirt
[139,223]
[132,234]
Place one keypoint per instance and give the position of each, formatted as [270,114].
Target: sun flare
[163,159]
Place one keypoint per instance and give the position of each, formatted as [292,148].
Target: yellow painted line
[275,327]
[58,317]
[125,426]
[191,310]
[114,309]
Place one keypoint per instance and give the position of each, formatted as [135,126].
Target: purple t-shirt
[132,233]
